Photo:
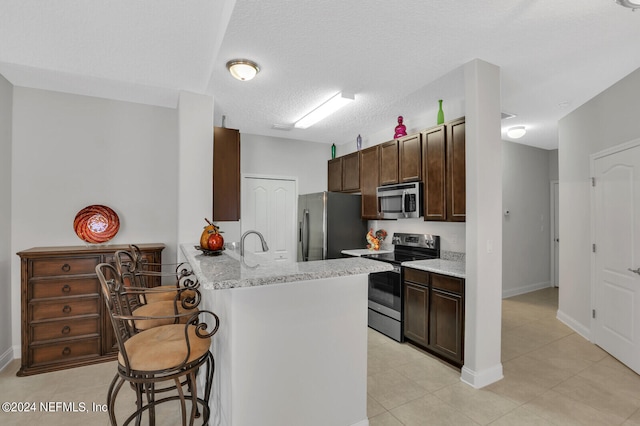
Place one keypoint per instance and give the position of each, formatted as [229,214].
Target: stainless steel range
[385,288]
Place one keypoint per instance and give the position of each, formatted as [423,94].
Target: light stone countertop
[364,252]
[229,270]
[453,268]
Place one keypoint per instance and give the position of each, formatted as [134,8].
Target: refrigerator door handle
[304,238]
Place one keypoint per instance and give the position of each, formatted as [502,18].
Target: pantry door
[616,302]
[269,206]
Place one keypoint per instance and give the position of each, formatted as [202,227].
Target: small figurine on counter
[375,240]
[401,129]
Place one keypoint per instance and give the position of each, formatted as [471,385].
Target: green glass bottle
[333,150]
[440,112]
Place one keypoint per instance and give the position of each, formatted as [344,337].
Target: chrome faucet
[265,247]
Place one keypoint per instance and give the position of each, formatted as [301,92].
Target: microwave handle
[404,194]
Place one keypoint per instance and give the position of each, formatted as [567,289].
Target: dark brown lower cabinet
[434,313]
[416,313]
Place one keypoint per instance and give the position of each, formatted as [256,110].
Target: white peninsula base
[293,353]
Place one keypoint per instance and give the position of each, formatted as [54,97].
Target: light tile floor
[552,376]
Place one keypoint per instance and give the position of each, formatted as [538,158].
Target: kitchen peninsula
[292,343]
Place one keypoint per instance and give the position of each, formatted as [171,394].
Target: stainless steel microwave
[400,201]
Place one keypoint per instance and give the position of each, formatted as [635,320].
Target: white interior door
[617,239]
[269,207]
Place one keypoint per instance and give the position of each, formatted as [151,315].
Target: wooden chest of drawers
[64,319]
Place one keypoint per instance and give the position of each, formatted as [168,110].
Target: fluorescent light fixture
[329,107]
[516,132]
[243,69]
[631,4]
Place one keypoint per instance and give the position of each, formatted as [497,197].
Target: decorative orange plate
[96,224]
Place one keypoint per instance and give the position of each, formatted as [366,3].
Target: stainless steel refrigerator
[329,222]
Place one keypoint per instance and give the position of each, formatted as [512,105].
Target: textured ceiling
[397,57]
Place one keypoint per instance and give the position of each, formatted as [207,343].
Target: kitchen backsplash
[452,234]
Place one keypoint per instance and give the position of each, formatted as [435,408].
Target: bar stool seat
[164,347]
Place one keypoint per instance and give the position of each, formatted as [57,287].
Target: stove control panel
[416,240]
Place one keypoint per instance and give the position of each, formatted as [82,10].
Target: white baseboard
[364,422]
[480,379]
[525,289]
[574,325]
[6,358]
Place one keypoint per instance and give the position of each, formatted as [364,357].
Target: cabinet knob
[66,288]
[66,329]
[66,309]
[66,351]
[66,267]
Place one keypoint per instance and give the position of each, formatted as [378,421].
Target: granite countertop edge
[454,268]
[227,271]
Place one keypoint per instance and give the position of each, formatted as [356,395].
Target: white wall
[195,192]
[607,120]
[6,255]
[553,164]
[71,151]
[286,157]
[525,231]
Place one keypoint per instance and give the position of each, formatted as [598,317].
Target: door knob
[635,271]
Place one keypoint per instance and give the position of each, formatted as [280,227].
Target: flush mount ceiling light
[336,102]
[516,132]
[631,4]
[243,69]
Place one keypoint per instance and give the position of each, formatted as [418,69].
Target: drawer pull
[66,267]
[66,351]
[66,329]
[66,309]
[66,288]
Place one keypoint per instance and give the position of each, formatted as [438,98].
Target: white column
[195,166]
[483,313]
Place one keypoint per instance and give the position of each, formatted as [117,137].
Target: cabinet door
[335,175]
[351,172]
[389,162]
[456,187]
[226,174]
[434,162]
[410,159]
[446,325]
[416,313]
[369,181]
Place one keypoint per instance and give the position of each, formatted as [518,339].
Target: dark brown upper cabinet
[389,163]
[410,160]
[334,174]
[369,181]
[456,173]
[226,174]
[434,163]
[351,172]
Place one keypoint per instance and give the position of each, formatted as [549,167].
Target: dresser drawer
[64,308]
[66,351]
[64,266]
[65,329]
[64,287]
